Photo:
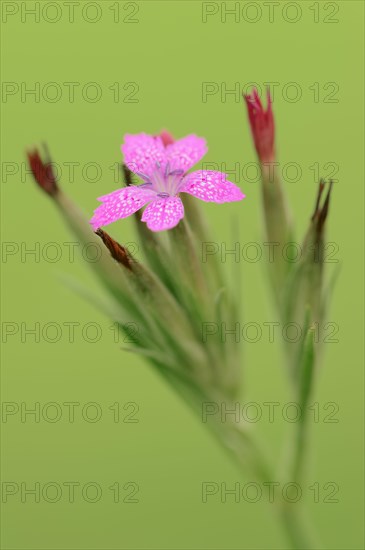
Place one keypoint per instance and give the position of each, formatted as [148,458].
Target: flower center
[164,181]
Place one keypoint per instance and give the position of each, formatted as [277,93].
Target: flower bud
[43,173]
[277,218]
[305,292]
[262,126]
[166,137]
[117,251]
[313,252]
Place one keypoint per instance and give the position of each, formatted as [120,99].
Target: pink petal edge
[163,213]
[211,186]
[121,204]
[185,152]
[141,152]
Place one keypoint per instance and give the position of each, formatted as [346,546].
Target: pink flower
[262,125]
[162,164]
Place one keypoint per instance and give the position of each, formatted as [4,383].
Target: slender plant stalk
[247,454]
[307,360]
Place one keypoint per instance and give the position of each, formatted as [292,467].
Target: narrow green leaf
[306,367]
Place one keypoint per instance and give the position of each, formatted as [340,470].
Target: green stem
[246,452]
[299,453]
[299,533]
[185,257]
[244,449]
[202,237]
[278,226]
[248,455]
[305,380]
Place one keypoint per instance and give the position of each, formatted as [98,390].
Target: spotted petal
[120,204]
[142,152]
[163,213]
[186,152]
[211,186]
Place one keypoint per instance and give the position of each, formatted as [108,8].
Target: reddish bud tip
[42,173]
[262,125]
[167,138]
[321,211]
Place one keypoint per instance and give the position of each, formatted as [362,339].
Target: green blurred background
[150,61]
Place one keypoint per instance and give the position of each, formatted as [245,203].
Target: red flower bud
[43,173]
[166,137]
[262,125]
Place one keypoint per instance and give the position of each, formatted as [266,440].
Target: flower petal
[211,186]
[185,152]
[163,213]
[120,204]
[141,152]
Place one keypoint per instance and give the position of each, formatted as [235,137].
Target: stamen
[142,176]
[176,173]
[167,169]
